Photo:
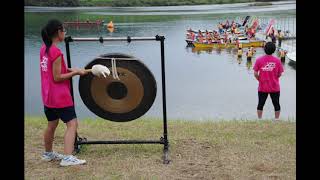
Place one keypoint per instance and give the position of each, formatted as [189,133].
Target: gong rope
[114,69]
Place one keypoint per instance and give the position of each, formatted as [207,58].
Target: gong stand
[163,140]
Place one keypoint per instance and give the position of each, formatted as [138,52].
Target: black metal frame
[163,140]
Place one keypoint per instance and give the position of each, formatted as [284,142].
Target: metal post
[165,133]
[67,40]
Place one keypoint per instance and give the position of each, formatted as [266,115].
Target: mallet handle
[88,70]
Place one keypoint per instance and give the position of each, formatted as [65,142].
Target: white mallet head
[99,70]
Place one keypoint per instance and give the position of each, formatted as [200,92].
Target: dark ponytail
[50,31]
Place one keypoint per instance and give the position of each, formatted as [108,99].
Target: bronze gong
[119,100]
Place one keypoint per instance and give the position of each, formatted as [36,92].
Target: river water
[200,85]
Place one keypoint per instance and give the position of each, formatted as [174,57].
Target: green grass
[198,150]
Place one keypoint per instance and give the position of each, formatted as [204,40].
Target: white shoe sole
[72,164]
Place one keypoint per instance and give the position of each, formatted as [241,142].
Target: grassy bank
[198,150]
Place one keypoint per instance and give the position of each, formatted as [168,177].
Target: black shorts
[274,98]
[249,58]
[65,114]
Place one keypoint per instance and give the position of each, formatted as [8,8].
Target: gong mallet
[99,70]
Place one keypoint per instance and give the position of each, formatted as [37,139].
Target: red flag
[255,24]
[270,25]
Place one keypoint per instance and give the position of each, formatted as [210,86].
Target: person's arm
[256,75]
[256,69]
[58,76]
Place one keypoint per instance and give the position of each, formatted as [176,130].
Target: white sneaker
[71,160]
[276,120]
[49,156]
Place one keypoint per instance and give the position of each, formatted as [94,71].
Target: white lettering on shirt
[269,66]
[44,63]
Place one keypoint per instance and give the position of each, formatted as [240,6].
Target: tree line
[122,3]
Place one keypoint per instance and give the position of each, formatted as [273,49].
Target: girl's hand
[82,72]
[73,69]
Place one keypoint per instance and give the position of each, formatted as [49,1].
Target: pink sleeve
[54,53]
[256,66]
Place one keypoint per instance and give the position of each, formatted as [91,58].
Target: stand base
[79,141]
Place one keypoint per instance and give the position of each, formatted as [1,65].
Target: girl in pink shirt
[56,96]
[267,70]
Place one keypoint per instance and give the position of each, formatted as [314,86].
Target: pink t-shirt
[54,94]
[269,68]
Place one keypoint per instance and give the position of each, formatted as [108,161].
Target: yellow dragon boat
[245,44]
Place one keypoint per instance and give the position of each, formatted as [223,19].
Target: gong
[123,99]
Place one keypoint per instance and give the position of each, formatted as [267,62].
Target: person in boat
[236,30]
[200,33]
[267,70]
[249,33]
[246,30]
[208,37]
[200,37]
[220,28]
[272,35]
[225,37]
[189,35]
[227,24]
[192,35]
[252,33]
[216,35]
[233,28]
